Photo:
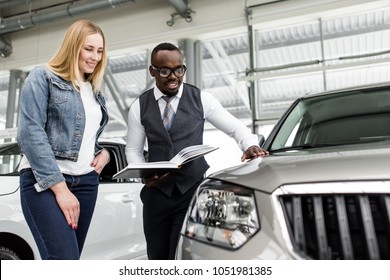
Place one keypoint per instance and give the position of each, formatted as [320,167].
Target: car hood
[346,163]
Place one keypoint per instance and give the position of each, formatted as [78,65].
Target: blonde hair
[65,61]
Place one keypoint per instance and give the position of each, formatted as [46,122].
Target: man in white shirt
[168,127]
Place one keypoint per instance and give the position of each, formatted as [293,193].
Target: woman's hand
[101,160]
[68,203]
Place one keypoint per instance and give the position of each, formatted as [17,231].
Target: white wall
[143,24]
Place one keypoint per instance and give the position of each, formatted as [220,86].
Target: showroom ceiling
[290,61]
[312,56]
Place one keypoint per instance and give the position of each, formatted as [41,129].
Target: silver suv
[322,193]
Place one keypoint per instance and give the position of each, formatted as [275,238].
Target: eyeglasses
[165,72]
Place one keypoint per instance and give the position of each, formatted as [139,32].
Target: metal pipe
[29,20]
[181,7]
[251,84]
[187,46]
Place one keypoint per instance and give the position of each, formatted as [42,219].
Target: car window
[336,119]
[110,169]
[9,160]
[114,166]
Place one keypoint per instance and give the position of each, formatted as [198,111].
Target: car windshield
[336,119]
[9,159]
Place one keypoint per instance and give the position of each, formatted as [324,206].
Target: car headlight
[222,214]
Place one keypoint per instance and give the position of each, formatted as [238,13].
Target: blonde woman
[62,114]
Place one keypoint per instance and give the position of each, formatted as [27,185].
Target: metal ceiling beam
[326,36]
[29,20]
[314,69]
[116,93]
[224,66]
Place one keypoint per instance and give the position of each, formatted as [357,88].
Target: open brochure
[148,169]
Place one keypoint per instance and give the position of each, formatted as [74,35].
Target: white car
[116,231]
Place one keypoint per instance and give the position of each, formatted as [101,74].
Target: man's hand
[254,152]
[152,181]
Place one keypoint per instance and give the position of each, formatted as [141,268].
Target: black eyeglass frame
[171,70]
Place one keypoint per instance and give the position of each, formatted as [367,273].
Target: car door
[116,230]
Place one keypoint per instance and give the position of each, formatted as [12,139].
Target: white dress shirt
[213,111]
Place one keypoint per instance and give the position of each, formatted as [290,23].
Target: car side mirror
[261,139]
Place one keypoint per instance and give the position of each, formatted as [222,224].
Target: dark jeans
[54,237]
[163,218]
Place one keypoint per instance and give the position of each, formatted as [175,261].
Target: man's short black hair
[164,47]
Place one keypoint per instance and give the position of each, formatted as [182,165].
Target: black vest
[186,130]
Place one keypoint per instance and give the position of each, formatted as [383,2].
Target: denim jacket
[51,124]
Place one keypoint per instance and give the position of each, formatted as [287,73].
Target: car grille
[338,222]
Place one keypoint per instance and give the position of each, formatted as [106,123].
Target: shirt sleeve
[135,139]
[226,122]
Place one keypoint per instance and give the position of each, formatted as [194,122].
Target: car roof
[348,89]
